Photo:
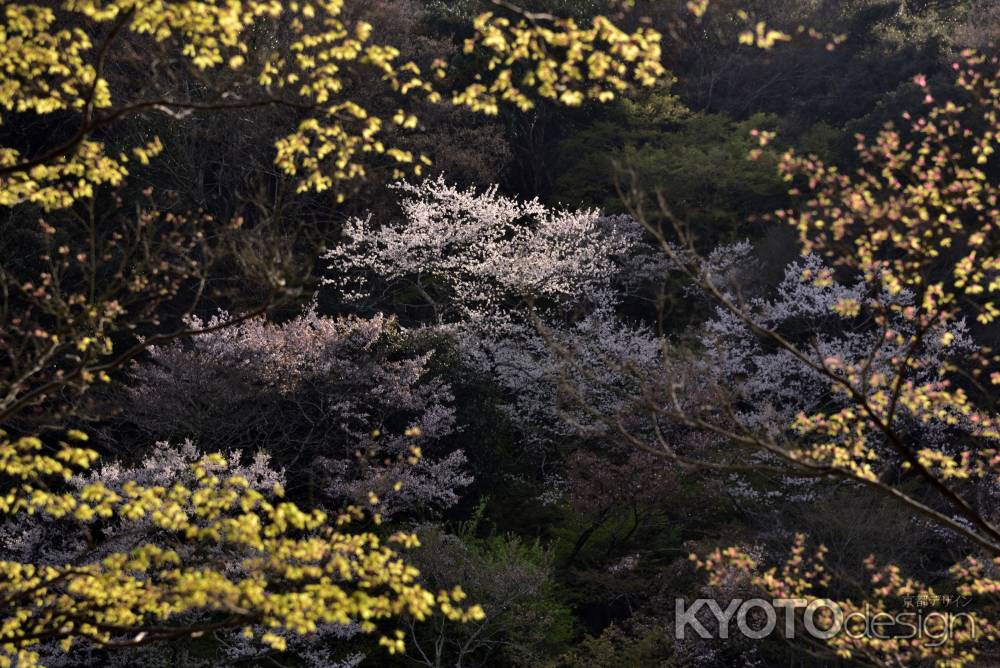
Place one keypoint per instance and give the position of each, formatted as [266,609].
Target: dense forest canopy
[484,333]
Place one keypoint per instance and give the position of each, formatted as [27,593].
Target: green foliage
[697,161]
[647,646]
[512,578]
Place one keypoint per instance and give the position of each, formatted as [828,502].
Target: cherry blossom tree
[465,253]
[342,401]
[510,280]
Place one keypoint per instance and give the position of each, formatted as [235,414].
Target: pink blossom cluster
[341,400]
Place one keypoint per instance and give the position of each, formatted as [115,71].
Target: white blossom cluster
[770,384]
[561,378]
[468,253]
[528,292]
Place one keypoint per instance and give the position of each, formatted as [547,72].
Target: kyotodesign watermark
[822,619]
